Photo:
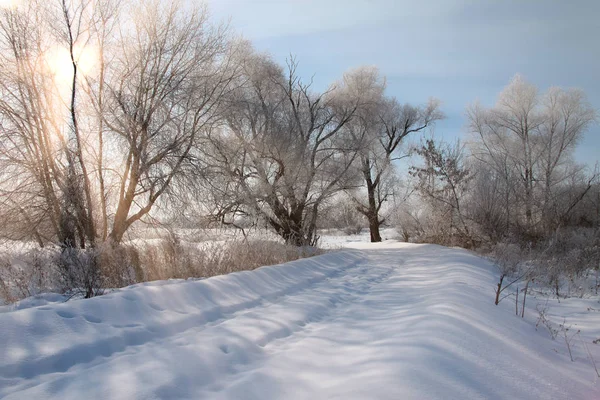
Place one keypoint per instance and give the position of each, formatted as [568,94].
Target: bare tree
[490,200]
[104,26]
[72,31]
[528,138]
[34,147]
[567,115]
[444,181]
[510,129]
[162,95]
[282,152]
[112,140]
[383,124]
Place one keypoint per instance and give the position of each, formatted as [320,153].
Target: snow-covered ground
[379,321]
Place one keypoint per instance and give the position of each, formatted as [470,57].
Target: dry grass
[175,259]
[36,271]
[26,274]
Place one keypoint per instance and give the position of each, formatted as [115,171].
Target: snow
[379,321]
[38,300]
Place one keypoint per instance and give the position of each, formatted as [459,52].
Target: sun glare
[59,63]
[10,4]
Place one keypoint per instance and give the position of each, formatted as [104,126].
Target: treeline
[115,112]
[515,178]
[109,109]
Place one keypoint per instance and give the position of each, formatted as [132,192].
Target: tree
[382,124]
[529,138]
[79,193]
[37,150]
[163,95]
[567,115]
[100,106]
[282,151]
[395,123]
[490,201]
[509,129]
[444,181]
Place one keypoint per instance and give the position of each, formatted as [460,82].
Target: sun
[59,63]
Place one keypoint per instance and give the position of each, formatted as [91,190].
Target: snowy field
[377,321]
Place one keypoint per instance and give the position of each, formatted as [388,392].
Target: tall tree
[101,103]
[566,116]
[283,150]
[162,97]
[530,137]
[382,124]
[36,144]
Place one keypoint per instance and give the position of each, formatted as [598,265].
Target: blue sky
[458,51]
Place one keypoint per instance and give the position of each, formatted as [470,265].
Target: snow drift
[388,321]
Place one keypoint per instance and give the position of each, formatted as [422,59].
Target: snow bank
[54,338]
[38,300]
[391,321]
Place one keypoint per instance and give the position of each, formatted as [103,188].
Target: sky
[458,51]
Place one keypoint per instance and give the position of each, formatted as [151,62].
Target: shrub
[173,258]
[27,274]
[87,273]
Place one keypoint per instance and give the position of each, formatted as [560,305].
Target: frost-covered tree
[526,141]
[282,150]
[443,182]
[100,105]
[383,124]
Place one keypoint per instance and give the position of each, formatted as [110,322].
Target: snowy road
[393,321]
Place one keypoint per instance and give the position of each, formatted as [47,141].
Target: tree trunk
[524,298]
[498,290]
[374,224]
[85,212]
[294,231]
[371,215]
[296,238]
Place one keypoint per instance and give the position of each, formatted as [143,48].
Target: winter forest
[117,115]
[153,161]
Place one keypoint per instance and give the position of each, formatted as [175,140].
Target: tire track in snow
[353,288]
[138,336]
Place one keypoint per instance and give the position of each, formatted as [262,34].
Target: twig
[590,355]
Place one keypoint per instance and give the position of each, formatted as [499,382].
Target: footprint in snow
[124,326]
[92,319]
[224,348]
[65,314]
[155,307]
